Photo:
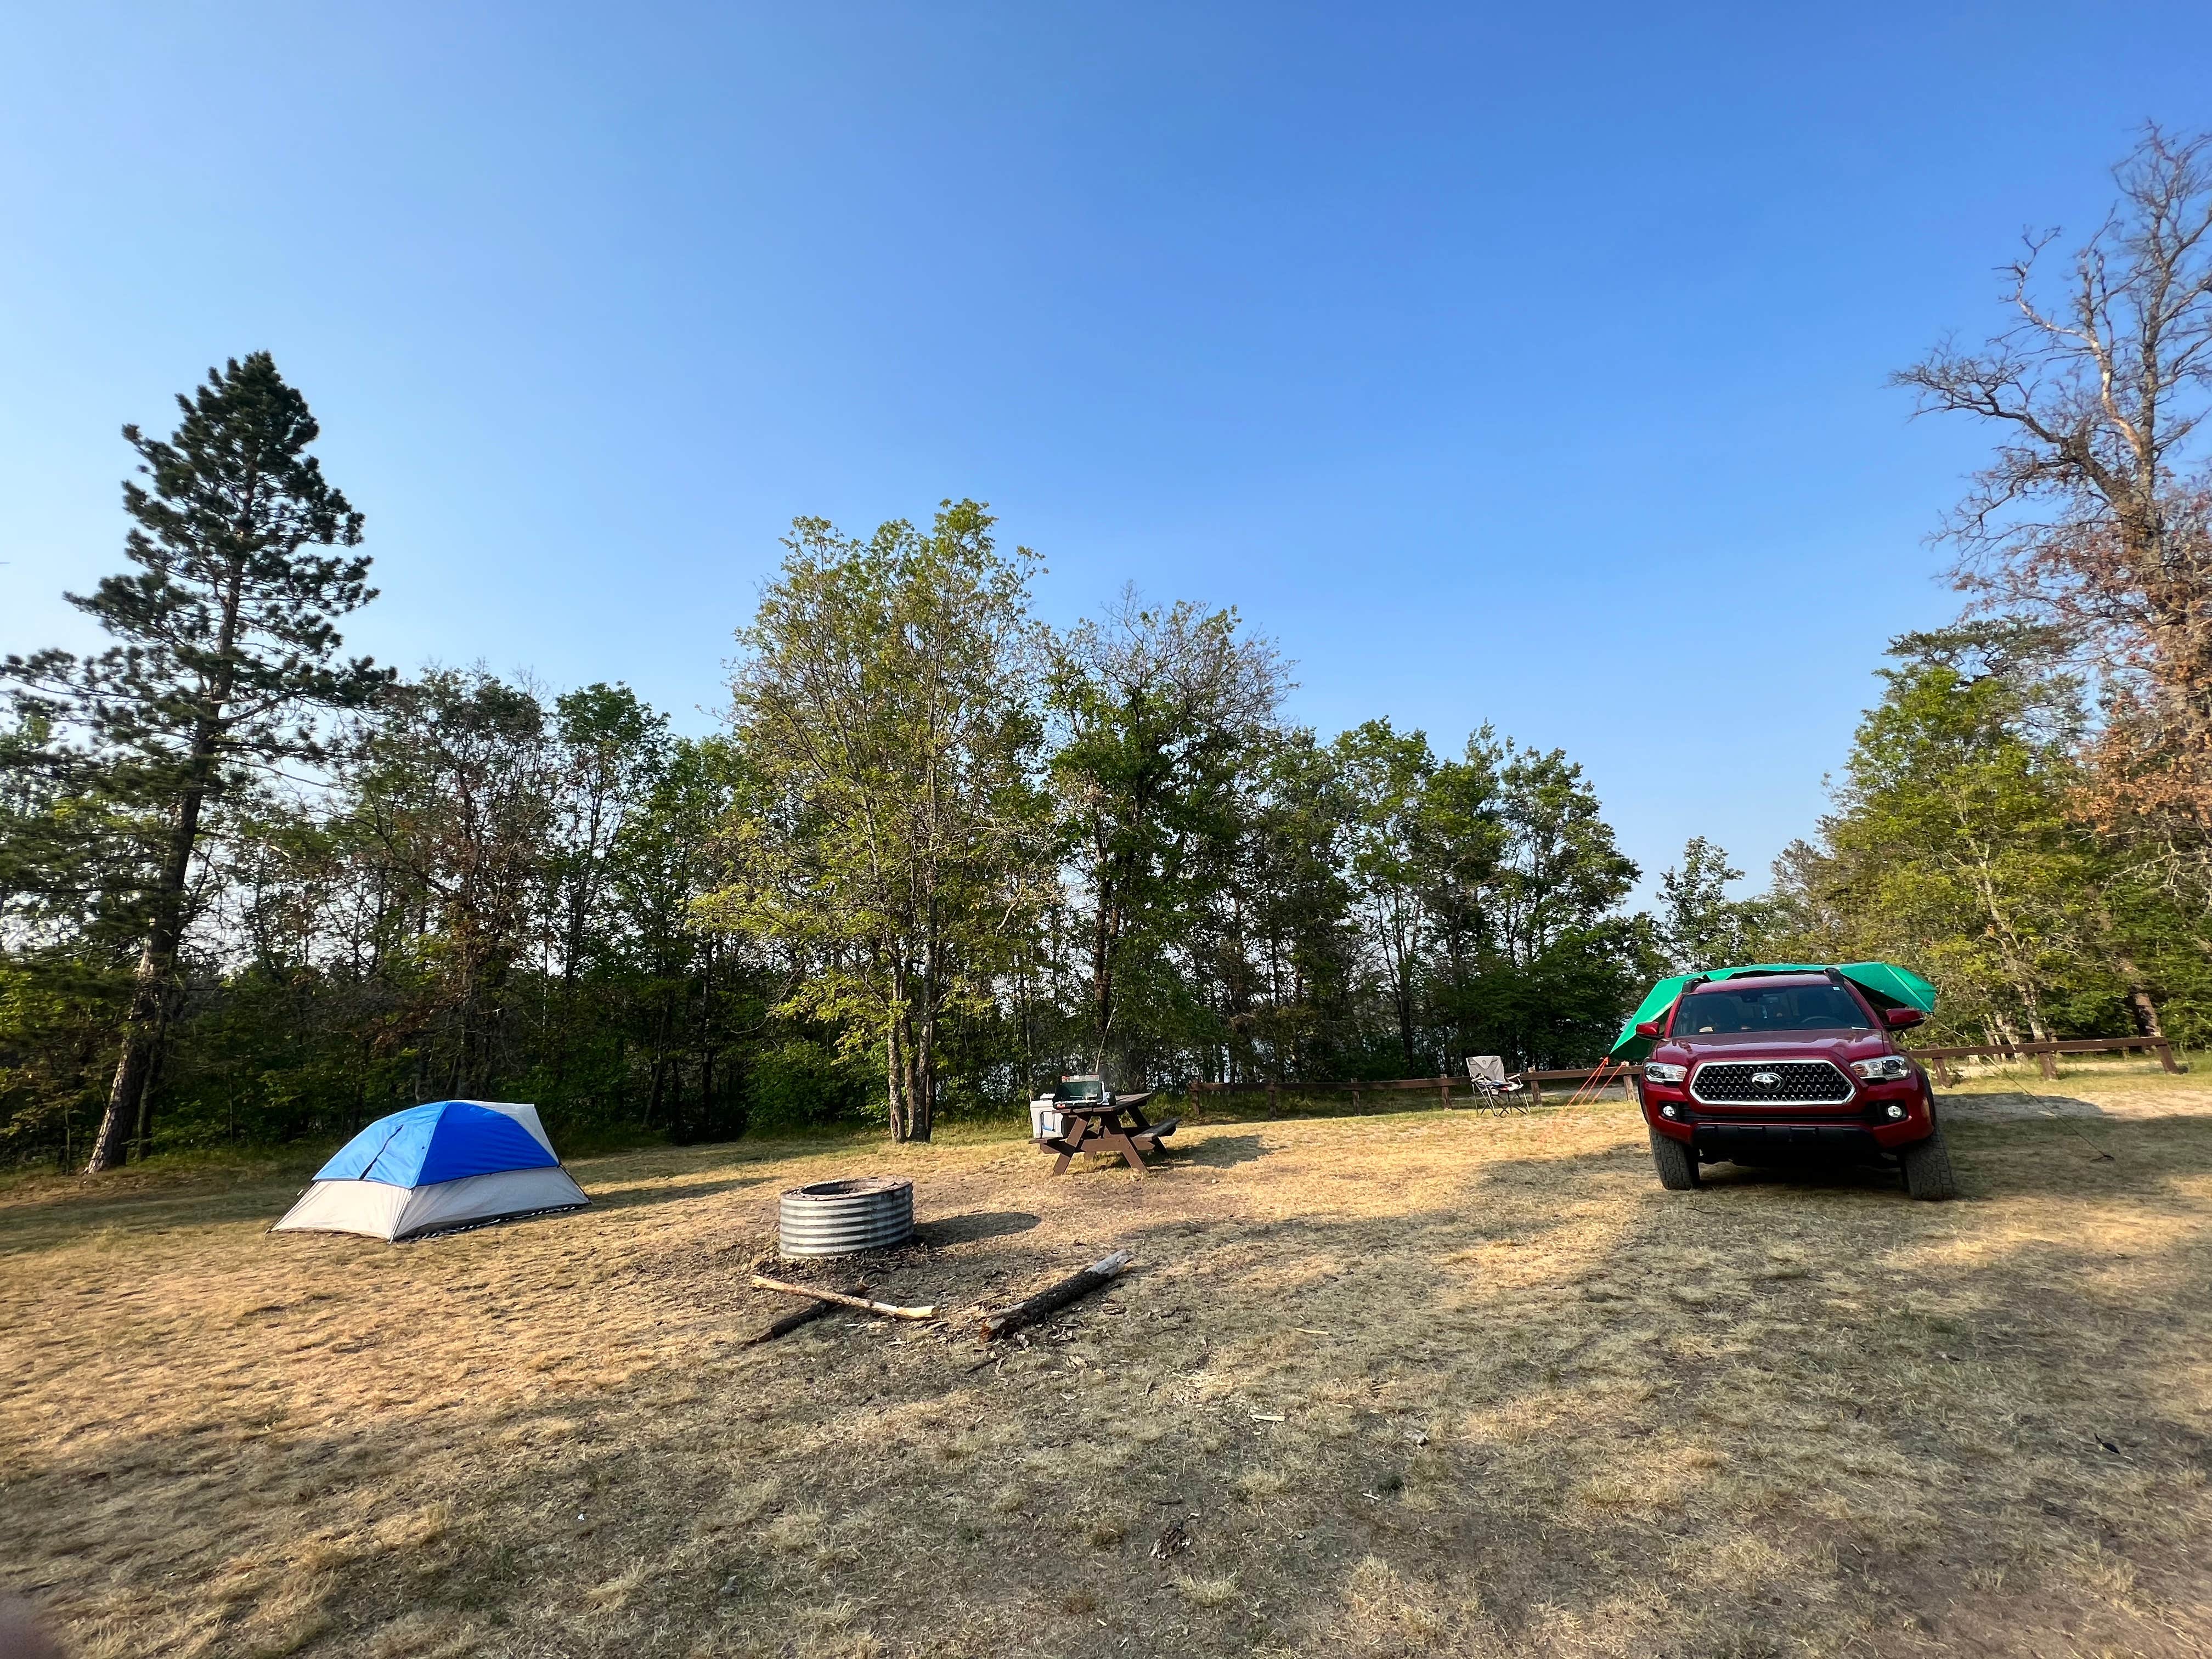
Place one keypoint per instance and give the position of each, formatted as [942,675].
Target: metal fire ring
[840,1217]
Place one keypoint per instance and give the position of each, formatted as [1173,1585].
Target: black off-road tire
[1928,1174]
[1676,1163]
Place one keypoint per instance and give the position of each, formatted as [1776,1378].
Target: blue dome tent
[431,1169]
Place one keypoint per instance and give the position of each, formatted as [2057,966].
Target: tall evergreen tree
[226,654]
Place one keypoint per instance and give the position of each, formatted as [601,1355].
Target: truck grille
[1750,1083]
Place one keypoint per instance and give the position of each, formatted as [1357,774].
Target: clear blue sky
[1521,365]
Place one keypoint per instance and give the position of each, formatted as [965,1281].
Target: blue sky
[1512,365]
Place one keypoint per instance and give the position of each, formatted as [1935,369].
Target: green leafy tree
[1291,947]
[701,1001]
[883,709]
[1700,926]
[1162,716]
[1386,776]
[227,655]
[1562,962]
[609,749]
[1460,838]
[457,788]
[1952,851]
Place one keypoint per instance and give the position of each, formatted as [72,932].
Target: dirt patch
[1379,1386]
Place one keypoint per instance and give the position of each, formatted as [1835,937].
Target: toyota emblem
[1767,1080]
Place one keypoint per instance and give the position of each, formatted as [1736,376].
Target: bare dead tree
[2088,516]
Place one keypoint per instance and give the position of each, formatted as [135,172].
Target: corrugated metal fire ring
[838,1217]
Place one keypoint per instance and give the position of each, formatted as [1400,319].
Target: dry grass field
[1412,1384]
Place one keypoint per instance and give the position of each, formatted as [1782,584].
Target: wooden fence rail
[2046,1053]
[1443,1086]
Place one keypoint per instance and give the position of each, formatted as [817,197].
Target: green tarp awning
[1886,986]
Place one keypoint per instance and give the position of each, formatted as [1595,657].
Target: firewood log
[1046,1301]
[762,1282]
[789,1322]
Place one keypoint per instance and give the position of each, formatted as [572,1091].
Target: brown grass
[1530,1404]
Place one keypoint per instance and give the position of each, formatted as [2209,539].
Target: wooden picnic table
[1107,1126]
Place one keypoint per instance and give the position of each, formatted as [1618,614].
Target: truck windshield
[1781,1008]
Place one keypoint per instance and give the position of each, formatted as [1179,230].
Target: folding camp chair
[1494,1089]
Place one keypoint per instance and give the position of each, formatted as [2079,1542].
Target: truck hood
[1838,1046]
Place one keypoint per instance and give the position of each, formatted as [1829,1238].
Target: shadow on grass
[1807,1174]
[975,1225]
[2015,1105]
[2052,1155]
[1223,1151]
[661,1192]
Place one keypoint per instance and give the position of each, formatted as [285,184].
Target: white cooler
[1047,1120]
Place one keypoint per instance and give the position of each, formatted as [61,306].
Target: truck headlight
[1658,1071]
[1886,1068]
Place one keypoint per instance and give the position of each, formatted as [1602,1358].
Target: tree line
[253,890]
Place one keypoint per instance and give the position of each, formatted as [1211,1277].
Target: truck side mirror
[1899,1019]
[1647,1028]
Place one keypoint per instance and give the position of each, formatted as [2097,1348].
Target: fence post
[1535,1086]
[2047,1063]
[2166,1056]
[1274,1100]
[1443,1092]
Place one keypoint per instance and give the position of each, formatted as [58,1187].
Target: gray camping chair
[1494,1089]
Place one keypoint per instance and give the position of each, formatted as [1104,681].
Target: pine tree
[226,658]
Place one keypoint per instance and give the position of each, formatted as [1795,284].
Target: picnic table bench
[1112,1125]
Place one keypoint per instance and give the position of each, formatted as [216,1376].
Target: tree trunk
[921,1109]
[145,1022]
[2139,1002]
[909,1074]
[2140,1005]
[151,984]
[142,1138]
[895,1078]
[1405,999]
[1105,933]
[658,1073]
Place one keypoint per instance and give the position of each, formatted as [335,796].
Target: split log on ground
[790,1323]
[890,1311]
[1072,1289]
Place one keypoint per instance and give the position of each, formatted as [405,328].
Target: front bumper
[1857,1128]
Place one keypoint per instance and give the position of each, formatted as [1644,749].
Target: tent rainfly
[1886,986]
[432,1169]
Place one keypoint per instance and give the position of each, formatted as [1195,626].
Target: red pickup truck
[1783,1068]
